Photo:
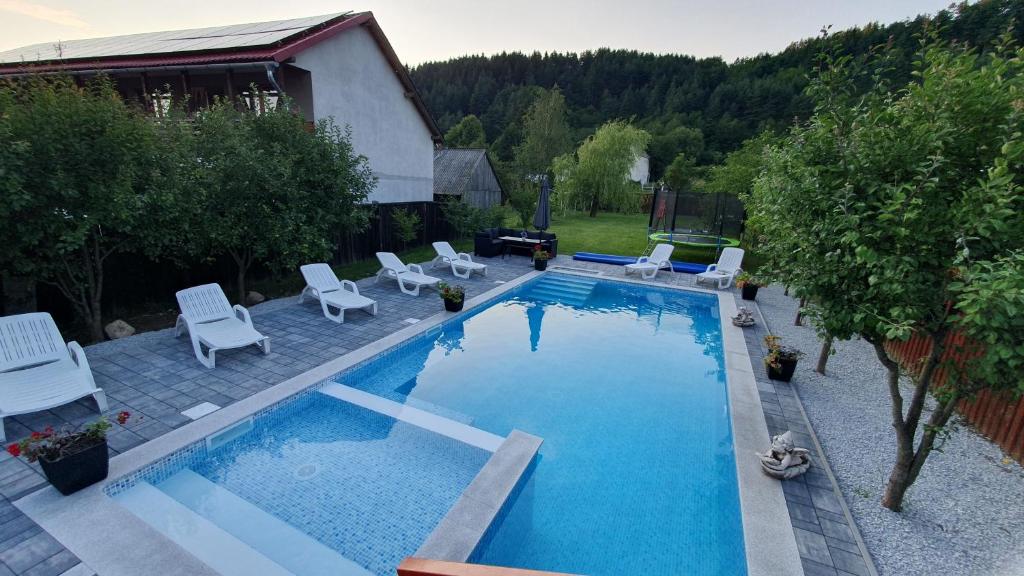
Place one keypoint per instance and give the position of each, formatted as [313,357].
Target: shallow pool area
[626,384]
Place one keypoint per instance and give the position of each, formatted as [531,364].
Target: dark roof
[454,167]
[242,43]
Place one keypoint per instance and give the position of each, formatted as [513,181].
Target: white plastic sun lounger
[410,277]
[462,264]
[323,285]
[38,371]
[648,266]
[211,321]
[725,270]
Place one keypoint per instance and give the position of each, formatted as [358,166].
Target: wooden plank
[423,567]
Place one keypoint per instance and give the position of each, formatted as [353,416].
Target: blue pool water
[626,385]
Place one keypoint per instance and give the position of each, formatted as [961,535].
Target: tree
[737,174]
[81,171]
[681,173]
[599,171]
[407,225]
[271,191]
[546,134]
[468,133]
[902,212]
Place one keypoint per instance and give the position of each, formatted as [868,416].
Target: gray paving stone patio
[156,377]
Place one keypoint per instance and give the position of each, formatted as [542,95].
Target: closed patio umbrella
[542,218]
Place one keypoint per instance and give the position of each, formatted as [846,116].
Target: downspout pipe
[271,68]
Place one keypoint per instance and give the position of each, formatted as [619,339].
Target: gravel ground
[965,514]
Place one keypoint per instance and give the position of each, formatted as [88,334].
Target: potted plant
[780,360]
[454,296]
[71,458]
[540,258]
[747,285]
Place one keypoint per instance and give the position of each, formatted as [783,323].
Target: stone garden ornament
[744,319]
[784,460]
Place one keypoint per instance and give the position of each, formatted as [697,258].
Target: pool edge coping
[467,521]
[132,545]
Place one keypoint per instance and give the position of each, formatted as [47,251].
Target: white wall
[353,82]
[641,170]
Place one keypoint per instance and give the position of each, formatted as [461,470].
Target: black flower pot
[540,264]
[749,291]
[76,471]
[784,373]
[452,305]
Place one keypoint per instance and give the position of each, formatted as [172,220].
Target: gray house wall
[352,81]
[483,190]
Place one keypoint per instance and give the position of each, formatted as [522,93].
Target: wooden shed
[468,174]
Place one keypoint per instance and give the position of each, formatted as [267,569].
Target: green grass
[619,234]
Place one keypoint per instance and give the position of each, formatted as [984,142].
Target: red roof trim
[301,44]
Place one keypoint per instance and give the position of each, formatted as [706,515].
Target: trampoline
[695,240]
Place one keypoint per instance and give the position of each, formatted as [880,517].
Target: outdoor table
[509,242]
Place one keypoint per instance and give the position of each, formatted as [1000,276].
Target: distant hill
[703,106]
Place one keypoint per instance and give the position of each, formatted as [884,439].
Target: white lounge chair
[323,285]
[462,264]
[38,371]
[648,266]
[406,275]
[211,321]
[725,270]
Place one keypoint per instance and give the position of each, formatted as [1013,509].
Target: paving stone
[815,569]
[813,547]
[837,530]
[825,499]
[849,562]
[54,565]
[28,553]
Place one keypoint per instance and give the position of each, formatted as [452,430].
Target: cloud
[45,13]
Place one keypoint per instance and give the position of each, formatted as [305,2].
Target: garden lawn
[618,234]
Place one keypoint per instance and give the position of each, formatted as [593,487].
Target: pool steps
[234,532]
[415,416]
[562,289]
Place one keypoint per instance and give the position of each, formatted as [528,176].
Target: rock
[118,329]
[254,297]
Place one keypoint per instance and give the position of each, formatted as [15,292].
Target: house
[339,66]
[466,173]
[641,170]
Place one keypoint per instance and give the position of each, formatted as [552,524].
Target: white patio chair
[406,275]
[211,321]
[725,270]
[322,284]
[458,261]
[38,371]
[648,266]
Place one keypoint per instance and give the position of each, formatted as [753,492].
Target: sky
[426,30]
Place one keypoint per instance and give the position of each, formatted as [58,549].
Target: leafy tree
[407,225]
[468,133]
[80,175]
[681,173]
[737,174]
[598,173]
[463,218]
[546,134]
[271,191]
[902,212]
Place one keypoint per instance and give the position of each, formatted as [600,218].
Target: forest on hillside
[702,107]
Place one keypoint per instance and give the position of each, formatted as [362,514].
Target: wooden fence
[999,416]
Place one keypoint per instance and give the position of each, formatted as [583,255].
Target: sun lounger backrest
[730,260]
[390,261]
[445,249]
[204,303]
[661,253]
[29,340]
[321,277]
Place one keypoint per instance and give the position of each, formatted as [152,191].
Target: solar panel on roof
[197,39]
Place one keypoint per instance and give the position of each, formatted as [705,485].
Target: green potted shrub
[781,360]
[748,286]
[71,459]
[540,258]
[454,296]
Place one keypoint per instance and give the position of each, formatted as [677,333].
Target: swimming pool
[626,384]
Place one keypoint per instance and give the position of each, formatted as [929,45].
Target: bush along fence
[997,415]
